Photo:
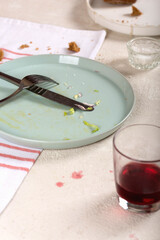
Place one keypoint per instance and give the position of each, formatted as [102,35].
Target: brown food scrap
[1,54]
[49,48]
[135,11]
[37,49]
[73,47]
[30,42]
[120,1]
[24,46]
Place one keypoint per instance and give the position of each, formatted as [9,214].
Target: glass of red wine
[136,153]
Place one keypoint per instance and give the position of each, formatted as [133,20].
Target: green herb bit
[97,102]
[89,108]
[66,139]
[71,112]
[96,90]
[92,126]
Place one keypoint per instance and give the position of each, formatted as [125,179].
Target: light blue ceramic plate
[33,121]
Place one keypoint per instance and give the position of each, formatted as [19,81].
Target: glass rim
[129,44]
[125,155]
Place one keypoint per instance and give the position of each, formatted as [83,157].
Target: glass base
[138,208]
[143,66]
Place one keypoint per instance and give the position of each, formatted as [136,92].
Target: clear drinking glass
[144,53]
[136,153]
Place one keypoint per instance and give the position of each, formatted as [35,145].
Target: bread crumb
[73,47]
[24,46]
[37,49]
[48,48]
[1,54]
[30,42]
[135,11]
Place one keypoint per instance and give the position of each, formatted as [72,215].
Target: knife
[56,97]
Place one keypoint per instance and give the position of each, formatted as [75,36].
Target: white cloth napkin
[18,39]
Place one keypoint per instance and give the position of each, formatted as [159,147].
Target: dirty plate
[118,17]
[33,121]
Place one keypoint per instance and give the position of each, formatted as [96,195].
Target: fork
[28,82]
[53,96]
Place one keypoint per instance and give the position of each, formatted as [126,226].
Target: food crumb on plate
[70,112]
[93,127]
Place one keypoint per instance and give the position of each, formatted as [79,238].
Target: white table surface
[85,208]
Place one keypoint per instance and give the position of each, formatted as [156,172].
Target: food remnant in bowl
[73,47]
[37,49]
[24,46]
[135,11]
[1,54]
[120,1]
[92,126]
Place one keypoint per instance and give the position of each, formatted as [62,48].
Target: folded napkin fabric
[15,163]
[19,39]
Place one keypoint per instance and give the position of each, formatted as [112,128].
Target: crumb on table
[73,47]
[24,46]
[135,11]
[1,54]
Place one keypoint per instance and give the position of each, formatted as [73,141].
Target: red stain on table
[59,184]
[77,175]
[133,237]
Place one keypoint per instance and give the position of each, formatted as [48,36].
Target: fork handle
[11,79]
[12,95]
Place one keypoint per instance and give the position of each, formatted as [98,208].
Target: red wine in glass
[139,183]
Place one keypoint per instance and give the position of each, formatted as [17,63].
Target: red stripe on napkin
[14,167]
[16,53]
[17,158]
[20,148]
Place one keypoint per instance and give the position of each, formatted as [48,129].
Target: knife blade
[53,96]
